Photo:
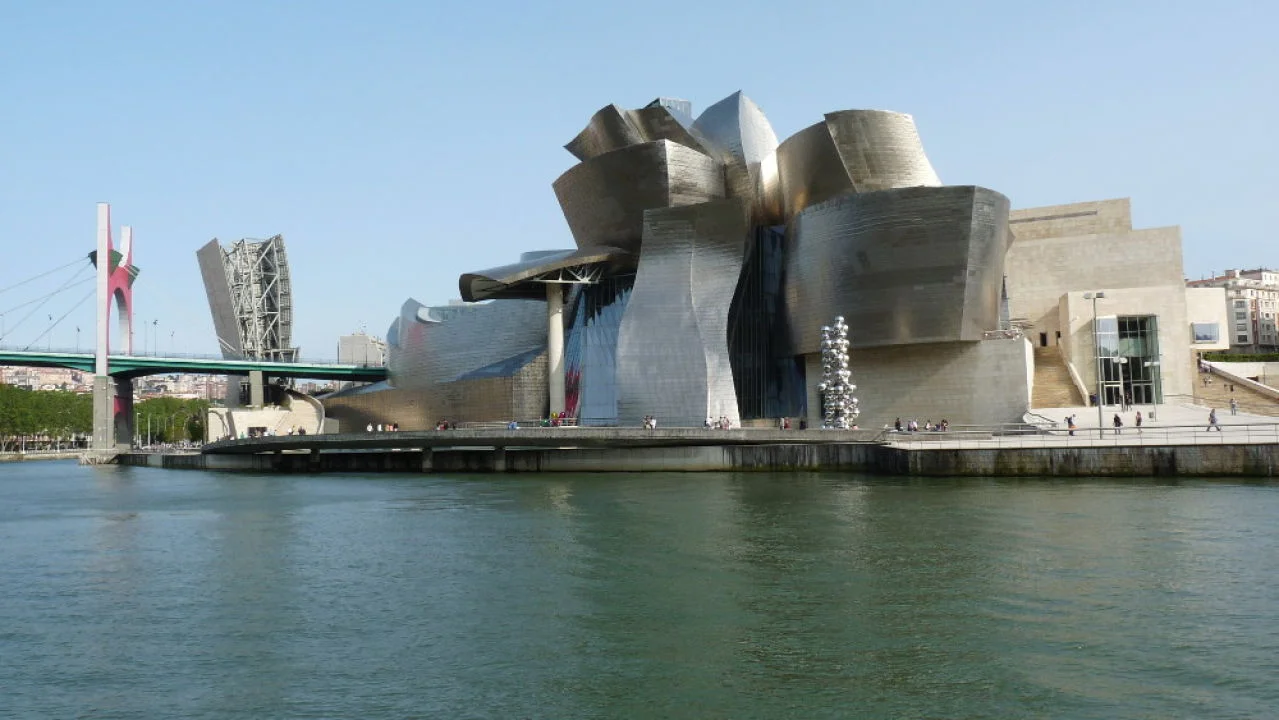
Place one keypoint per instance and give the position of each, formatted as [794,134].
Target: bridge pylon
[113,397]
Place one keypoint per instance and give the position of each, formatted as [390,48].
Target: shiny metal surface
[521,280]
[440,344]
[746,145]
[604,198]
[610,128]
[672,353]
[469,362]
[880,149]
[810,170]
[852,151]
[904,266]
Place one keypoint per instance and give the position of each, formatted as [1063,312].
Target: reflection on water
[135,592]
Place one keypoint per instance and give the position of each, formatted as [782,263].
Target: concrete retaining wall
[1137,461]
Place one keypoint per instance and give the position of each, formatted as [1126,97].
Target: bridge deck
[139,365]
[539,437]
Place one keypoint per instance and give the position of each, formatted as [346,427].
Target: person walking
[1070,424]
[1212,421]
[1118,422]
[1138,422]
[1234,406]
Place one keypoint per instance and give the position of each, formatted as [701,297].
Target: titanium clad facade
[672,349]
[851,151]
[435,345]
[609,129]
[915,265]
[604,198]
[747,146]
[881,150]
[810,170]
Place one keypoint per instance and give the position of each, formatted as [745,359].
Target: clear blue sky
[396,145]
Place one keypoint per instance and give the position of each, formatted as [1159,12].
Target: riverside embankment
[596,450]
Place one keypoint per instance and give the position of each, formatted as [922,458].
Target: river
[145,593]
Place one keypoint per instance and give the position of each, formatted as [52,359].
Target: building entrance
[1128,359]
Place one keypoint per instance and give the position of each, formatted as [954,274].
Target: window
[1241,316]
[1241,339]
[1205,332]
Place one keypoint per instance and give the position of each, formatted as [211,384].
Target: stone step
[1053,386]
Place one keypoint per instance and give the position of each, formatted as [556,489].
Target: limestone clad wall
[1167,303]
[1041,270]
[967,383]
[1208,305]
[1102,217]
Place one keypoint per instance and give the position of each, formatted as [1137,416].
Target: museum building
[709,256]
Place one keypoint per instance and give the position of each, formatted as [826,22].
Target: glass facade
[768,378]
[590,349]
[1128,359]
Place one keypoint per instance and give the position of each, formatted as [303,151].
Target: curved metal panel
[880,149]
[912,265]
[610,128]
[657,122]
[672,353]
[810,170]
[745,139]
[604,198]
[513,281]
[440,344]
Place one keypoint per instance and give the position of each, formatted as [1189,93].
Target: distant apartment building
[1252,301]
[360,349]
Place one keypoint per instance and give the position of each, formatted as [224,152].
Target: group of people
[393,427]
[912,425]
[1118,422]
[723,423]
[555,419]
[650,422]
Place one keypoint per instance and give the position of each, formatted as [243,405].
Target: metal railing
[996,437]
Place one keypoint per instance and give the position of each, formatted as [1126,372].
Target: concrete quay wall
[1253,460]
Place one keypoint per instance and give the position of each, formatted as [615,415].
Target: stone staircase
[1217,394]
[1053,387]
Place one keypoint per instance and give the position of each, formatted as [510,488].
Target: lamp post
[48,345]
[1153,385]
[1096,351]
[155,337]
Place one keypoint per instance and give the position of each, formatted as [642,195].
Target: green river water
[144,593]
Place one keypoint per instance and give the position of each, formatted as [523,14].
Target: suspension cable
[64,286]
[19,306]
[72,309]
[37,277]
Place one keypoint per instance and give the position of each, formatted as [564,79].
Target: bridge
[133,366]
[113,363]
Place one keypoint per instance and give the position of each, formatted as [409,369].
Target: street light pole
[1096,351]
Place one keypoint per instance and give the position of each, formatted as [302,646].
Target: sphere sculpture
[839,407]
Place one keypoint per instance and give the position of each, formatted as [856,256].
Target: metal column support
[555,346]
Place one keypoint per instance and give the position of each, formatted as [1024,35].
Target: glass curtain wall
[1128,359]
[590,349]
[768,378]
